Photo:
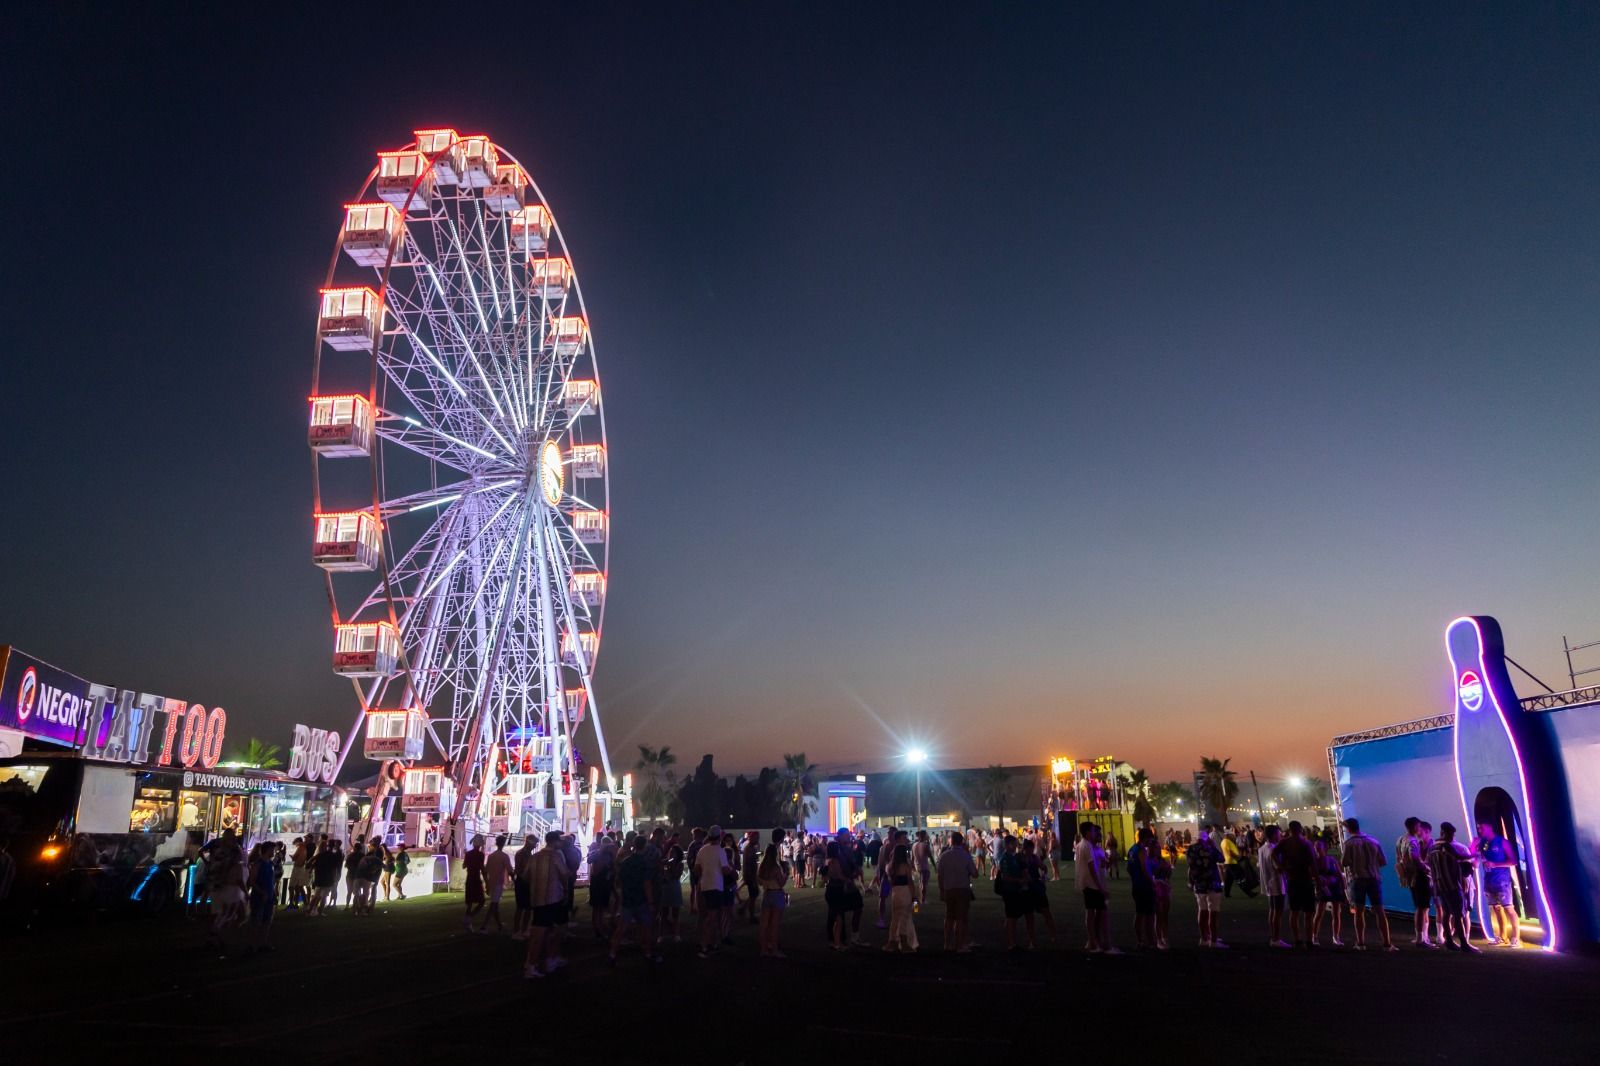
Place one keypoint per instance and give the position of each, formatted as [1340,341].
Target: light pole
[916,757]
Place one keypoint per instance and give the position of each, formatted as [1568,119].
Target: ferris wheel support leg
[486,693]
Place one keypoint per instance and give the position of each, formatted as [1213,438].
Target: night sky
[1004,378]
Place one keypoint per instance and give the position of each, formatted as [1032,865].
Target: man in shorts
[956,870]
[1089,861]
[1411,867]
[1205,862]
[1272,885]
[1451,866]
[712,873]
[548,878]
[1497,858]
[1362,857]
[1297,861]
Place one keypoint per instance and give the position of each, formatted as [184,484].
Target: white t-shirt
[1085,868]
[708,867]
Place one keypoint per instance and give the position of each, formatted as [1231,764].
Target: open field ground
[409,981]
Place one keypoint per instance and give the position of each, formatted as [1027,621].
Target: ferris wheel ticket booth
[1518,777]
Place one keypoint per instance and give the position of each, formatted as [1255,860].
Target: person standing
[1232,867]
[325,869]
[1272,884]
[711,873]
[1088,861]
[352,863]
[1451,866]
[1011,881]
[1144,891]
[956,870]
[1113,850]
[402,866]
[771,877]
[1411,867]
[1363,859]
[1038,891]
[1297,863]
[1205,862]
[522,919]
[1161,881]
[697,840]
[602,882]
[472,865]
[922,863]
[1497,858]
[636,910]
[669,904]
[262,879]
[750,874]
[299,873]
[1331,901]
[496,871]
[902,897]
[548,878]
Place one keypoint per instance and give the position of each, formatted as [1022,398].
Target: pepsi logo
[27,692]
[1470,690]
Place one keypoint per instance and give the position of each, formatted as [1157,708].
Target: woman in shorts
[771,877]
[1331,900]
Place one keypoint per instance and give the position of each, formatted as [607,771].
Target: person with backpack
[1411,867]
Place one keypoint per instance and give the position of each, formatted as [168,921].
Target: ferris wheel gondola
[461,491]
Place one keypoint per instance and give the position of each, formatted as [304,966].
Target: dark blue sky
[1021,381]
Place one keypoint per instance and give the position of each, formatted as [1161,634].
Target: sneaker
[963,951]
[656,958]
[1390,947]
[1112,951]
[1277,943]
[1219,944]
[1336,942]
[1161,945]
[530,972]
[555,963]
[1361,947]
[704,953]
[1470,950]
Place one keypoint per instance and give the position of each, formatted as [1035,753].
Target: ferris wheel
[461,498]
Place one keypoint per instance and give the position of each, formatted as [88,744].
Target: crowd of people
[640,883]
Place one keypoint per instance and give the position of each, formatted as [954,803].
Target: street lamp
[916,757]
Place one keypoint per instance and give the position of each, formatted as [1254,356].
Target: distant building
[953,797]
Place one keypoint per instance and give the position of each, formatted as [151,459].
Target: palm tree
[796,779]
[996,784]
[257,754]
[1217,785]
[655,764]
[1137,783]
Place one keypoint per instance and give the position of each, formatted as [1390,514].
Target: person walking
[548,878]
[1363,858]
[496,872]
[956,869]
[1205,861]
[771,877]
[388,872]
[1272,884]
[1450,863]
